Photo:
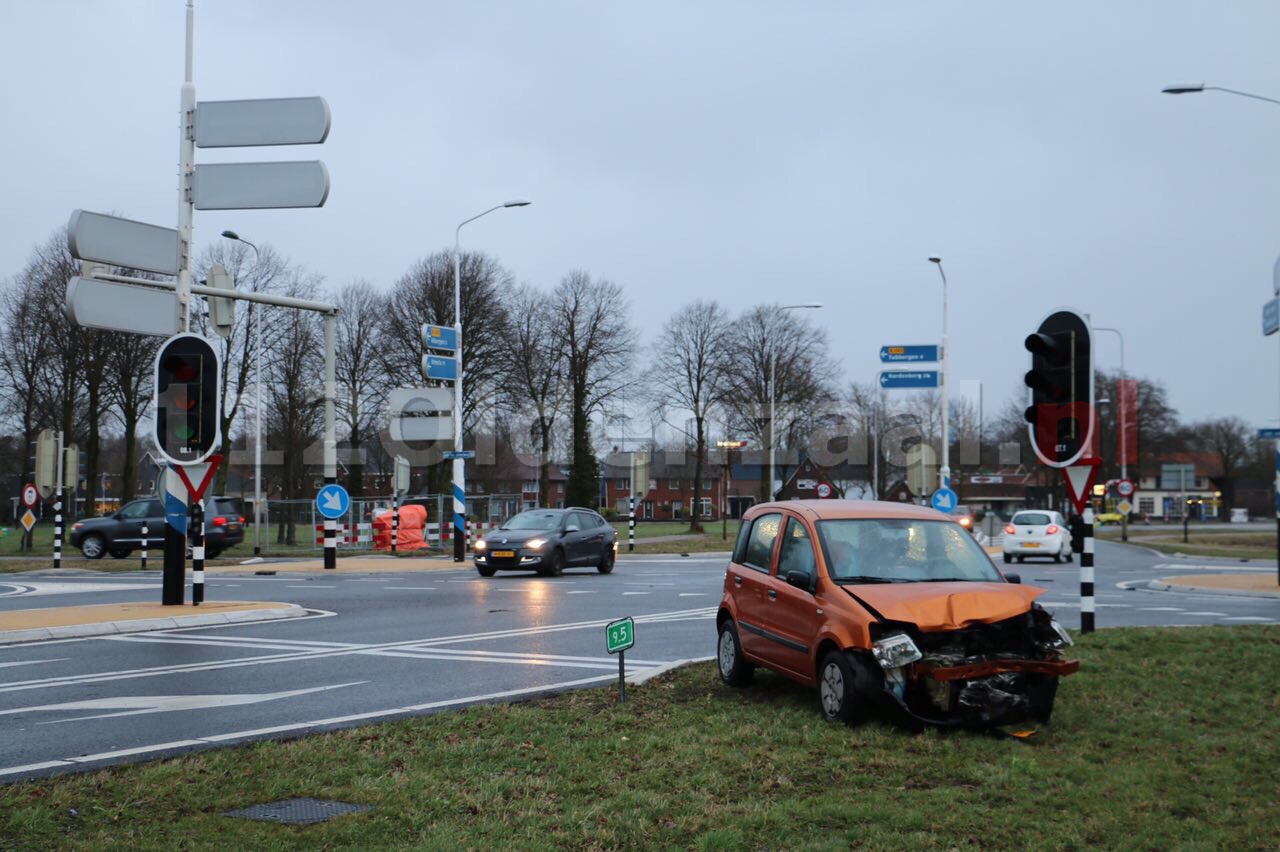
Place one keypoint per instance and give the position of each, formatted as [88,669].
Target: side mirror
[573,528]
[1013,578]
[800,579]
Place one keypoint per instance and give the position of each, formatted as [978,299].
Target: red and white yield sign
[30,495]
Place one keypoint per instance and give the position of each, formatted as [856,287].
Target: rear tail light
[242,519]
[219,521]
[1052,529]
[1010,530]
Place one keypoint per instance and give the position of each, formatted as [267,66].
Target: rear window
[1032,519]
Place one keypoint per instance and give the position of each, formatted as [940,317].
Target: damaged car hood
[947,606]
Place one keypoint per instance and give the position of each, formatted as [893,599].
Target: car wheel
[734,670]
[1068,557]
[1057,557]
[119,552]
[486,570]
[838,699]
[556,568]
[1008,557]
[1021,559]
[212,552]
[606,561]
[93,546]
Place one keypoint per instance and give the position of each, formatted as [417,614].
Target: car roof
[826,510]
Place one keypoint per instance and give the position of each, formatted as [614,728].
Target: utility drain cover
[298,811]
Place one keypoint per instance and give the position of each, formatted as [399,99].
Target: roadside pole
[172,584]
[330,434]
[57,507]
[631,524]
[1086,574]
[197,552]
[144,546]
[395,520]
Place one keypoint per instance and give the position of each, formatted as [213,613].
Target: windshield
[1031,519]
[543,520]
[896,550]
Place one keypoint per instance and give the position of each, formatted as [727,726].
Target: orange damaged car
[887,608]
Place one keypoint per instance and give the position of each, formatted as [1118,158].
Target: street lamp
[773,369]
[944,472]
[1188,88]
[257,438]
[459,467]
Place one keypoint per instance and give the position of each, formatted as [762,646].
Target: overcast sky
[740,151]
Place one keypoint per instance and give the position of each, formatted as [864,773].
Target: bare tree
[804,375]
[591,326]
[24,350]
[130,370]
[690,371]
[870,410]
[358,372]
[1230,439]
[535,373]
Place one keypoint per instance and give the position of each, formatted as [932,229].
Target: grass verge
[1156,743]
[1231,545]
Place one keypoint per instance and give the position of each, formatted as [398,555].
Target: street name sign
[1269,434]
[442,369]
[440,337]
[420,428]
[266,121]
[123,242]
[907,354]
[400,482]
[94,303]
[620,635]
[1271,316]
[459,454]
[260,186]
[909,379]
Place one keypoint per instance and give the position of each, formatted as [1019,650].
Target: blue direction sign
[442,369]
[333,501]
[944,500]
[907,354]
[1271,316]
[459,454]
[909,379]
[1269,434]
[440,337]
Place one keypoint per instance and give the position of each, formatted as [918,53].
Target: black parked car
[548,541]
[121,533]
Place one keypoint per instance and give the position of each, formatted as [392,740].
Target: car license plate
[1031,544]
[504,554]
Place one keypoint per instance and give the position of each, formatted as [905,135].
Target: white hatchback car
[1037,532]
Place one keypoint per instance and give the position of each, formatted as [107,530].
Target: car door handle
[773,594]
[737,581]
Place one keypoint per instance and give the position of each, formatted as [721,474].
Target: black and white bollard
[395,521]
[144,545]
[631,524]
[330,536]
[197,553]
[1086,575]
[57,528]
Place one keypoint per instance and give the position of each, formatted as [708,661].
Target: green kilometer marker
[618,637]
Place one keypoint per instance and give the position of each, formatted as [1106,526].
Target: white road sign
[419,400]
[255,186]
[122,307]
[123,242]
[268,121]
[421,428]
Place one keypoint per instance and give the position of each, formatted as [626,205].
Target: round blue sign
[944,500]
[333,501]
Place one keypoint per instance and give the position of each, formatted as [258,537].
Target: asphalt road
[390,645]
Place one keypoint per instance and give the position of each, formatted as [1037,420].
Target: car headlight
[895,650]
[535,543]
[480,545]
[1062,634]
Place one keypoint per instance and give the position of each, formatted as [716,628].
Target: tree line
[545,370]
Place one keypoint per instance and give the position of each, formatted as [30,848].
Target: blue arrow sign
[443,369]
[333,501]
[907,354]
[440,337]
[1271,317]
[944,500]
[1269,434]
[909,379]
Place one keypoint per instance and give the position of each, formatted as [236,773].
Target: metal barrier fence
[294,526]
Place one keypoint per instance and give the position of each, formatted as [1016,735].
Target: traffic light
[1061,417]
[187,421]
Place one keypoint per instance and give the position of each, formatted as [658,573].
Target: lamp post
[944,472]
[773,370]
[459,464]
[257,437]
[1189,88]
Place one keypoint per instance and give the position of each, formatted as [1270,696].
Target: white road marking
[31,588]
[635,593]
[1207,614]
[410,588]
[311,586]
[693,594]
[164,703]
[302,726]
[1160,609]
[1247,618]
[32,662]
[581,592]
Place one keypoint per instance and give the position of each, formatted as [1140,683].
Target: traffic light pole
[330,435]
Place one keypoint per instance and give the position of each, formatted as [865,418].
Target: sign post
[618,637]
[1080,477]
[332,502]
